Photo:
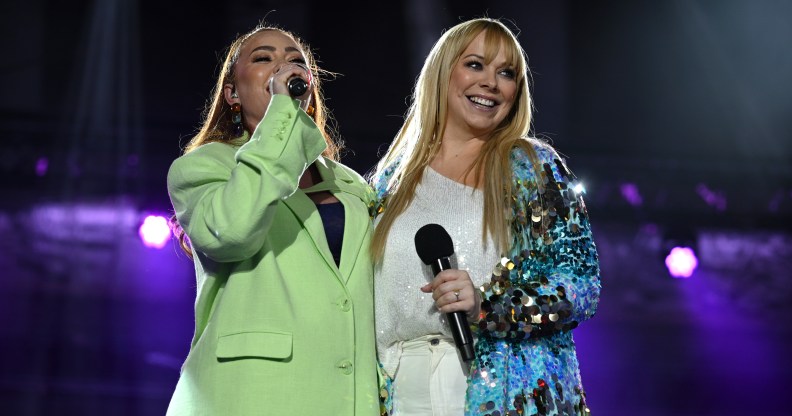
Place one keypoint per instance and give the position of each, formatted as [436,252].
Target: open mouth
[482,101]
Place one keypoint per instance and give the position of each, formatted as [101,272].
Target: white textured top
[403,312]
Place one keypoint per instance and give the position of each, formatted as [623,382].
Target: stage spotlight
[154,232]
[680,241]
[681,262]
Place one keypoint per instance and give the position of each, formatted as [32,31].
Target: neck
[455,158]
[310,177]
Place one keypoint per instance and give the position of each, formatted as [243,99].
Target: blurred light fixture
[41,166]
[680,242]
[631,194]
[713,198]
[155,232]
[681,262]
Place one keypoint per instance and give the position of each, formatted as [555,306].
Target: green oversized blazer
[279,328]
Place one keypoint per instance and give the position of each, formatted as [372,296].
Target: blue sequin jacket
[548,283]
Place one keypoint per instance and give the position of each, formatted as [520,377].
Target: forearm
[225,201]
[551,282]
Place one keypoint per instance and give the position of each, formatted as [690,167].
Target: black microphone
[297,87]
[434,247]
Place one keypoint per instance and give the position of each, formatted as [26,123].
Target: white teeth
[482,101]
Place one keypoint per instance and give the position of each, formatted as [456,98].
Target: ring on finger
[456,293]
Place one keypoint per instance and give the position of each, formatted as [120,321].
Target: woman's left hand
[453,291]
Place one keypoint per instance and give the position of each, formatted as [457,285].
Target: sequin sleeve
[550,281]
[380,187]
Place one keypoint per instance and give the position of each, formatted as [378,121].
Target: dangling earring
[236,118]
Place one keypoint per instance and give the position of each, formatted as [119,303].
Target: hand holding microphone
[452,289]
[291,80]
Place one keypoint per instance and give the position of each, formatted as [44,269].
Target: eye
[508,73]
[262,58]
[476,65]
[298,60]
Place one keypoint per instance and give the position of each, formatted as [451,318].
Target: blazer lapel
[305,211]
[356,217]
[356,227]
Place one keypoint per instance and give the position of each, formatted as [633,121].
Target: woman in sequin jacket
[279,234]
[464,159]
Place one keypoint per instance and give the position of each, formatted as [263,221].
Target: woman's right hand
[279,82]
[453,290]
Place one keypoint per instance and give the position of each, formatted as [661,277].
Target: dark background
[675,114]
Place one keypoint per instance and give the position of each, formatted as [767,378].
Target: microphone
[434,247]
[297,87]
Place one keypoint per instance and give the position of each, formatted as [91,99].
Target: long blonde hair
[218,127]
[417,142]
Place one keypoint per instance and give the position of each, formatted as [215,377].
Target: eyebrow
[508,64]
[472,54]
[272,49]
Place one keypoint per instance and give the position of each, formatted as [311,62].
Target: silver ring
[456,293]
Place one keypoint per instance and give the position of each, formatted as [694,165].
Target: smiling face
[480,93]
[261,56]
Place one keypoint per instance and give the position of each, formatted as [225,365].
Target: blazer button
[346,305]
[345,366]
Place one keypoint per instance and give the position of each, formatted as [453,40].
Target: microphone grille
[433,242]
[297,86]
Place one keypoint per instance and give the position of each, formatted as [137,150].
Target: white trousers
[431,379]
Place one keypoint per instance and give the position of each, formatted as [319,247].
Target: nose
[489,80]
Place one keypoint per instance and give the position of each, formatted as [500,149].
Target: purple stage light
[41,166]
[154,231]
[631,194]
[681,262]
[712,198]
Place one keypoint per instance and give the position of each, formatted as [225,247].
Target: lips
[482,101]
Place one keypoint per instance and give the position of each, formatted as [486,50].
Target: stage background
[674,114]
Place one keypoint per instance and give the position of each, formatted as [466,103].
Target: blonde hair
[417,142]
[218,127]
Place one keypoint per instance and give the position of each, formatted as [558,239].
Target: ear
[229,93]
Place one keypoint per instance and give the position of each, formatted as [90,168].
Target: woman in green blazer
[279,234]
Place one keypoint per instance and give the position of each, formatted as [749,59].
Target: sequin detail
[381,190]
[520,301]
[525,355]
[385,398]
[376,207]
